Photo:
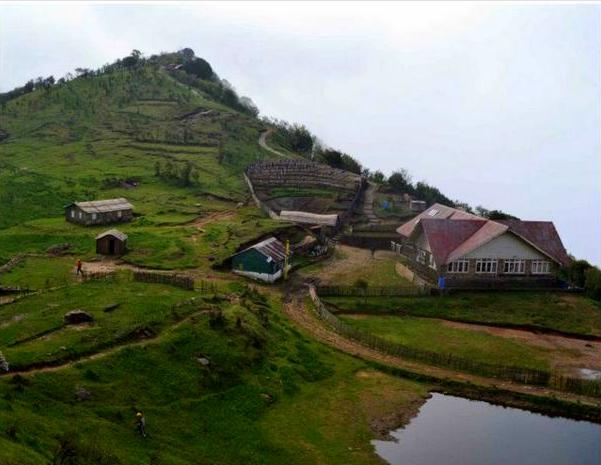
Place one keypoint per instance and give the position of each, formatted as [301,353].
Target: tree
[431,194]
[400,181]
[592,283]
[378,177]
[200,68]
[575,272]
[187,54]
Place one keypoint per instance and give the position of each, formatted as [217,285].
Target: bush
[592,283]
[575,272]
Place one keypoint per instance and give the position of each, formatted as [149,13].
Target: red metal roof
[542,235]
[436,212]
[445,235]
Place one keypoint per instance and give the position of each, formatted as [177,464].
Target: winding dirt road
[296,310]
[263,142]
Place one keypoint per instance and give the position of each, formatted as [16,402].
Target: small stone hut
[111,242]
[100,212]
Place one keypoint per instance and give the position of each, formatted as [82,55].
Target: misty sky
[495,104]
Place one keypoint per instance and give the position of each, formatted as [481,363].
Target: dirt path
[303,317]
[571,354]
[263,142]
[352,258]
[368,203]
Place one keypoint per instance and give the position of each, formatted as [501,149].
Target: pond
[455,431]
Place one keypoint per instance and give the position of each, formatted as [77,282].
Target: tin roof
[542,235]
[450,239]
[436,211]
[113,232]
[444,236]
[270,248]
[103,206]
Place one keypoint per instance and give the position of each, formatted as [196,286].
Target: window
[431,263]
[80,215]
[72,213]
[433,212]
[459,266]
[540,267]
[514,266]
[119,214]
[94,215]
[421,256]
[486,265]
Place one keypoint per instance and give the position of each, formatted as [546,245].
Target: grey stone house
[100,212]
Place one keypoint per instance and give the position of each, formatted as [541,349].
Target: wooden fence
[172,279]
[516,374]
[375,291]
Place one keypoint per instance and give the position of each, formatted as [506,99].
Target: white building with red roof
[471,250]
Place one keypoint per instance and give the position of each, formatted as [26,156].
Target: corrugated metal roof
[445,235]
[450,239]
[270,248]
[309,218]
[542,235]
[113,232]
[103,206]
[437,212]
[486,233]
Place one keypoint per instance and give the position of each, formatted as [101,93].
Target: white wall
[506,246]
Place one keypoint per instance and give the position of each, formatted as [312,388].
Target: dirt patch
[388,407]
[200,222]
[569,354]
[382,426]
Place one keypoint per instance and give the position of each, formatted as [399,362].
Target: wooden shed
[264,261]
[111,242]
[100,212]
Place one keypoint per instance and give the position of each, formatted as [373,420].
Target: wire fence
[374,291]
[590,388]
[171,279]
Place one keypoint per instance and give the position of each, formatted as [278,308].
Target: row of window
[510,266]
[94,215]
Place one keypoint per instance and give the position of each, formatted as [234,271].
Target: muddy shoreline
[381,427]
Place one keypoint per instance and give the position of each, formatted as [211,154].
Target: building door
[111,246]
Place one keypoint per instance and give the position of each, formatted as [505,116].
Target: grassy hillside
[175,146]
[251,404]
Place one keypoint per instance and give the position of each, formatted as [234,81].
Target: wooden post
[286,260]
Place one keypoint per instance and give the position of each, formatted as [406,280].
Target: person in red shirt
[79,267]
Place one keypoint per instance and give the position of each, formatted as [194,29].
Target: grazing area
[563,312]
[477,345]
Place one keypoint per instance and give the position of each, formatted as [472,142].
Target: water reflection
[455,431]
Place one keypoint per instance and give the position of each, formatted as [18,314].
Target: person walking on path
[79,267]
[141,424]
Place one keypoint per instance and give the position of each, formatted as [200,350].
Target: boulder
[82,394]
[76,317]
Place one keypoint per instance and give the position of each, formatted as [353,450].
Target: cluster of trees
[180,174]
[30,86]
[341,160]
[582,274]
[400,182]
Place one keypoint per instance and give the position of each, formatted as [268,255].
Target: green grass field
[251,405]
[434,335]
[563,312]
